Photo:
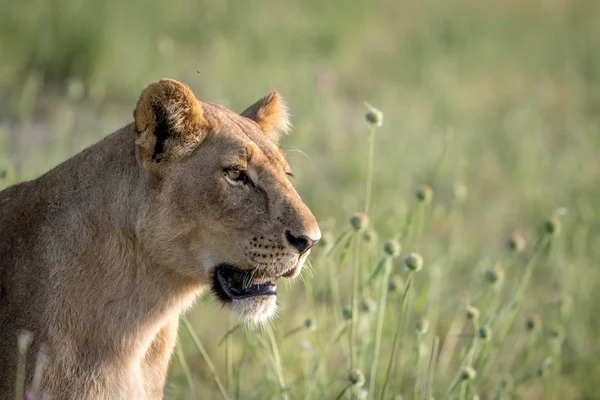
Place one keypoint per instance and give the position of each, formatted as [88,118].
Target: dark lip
[232,283]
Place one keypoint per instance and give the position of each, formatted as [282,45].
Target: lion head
[222,209]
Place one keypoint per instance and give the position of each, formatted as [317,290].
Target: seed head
[369,235]
[495,275]
[414,262]
[424,194]
[347,314]
[367,305]
[359,221]
[396,283]
[472,313]
[326,240]
[24,340]
[374,117]
[557,333]
[422,325]
[392,248]
[467,374]
[516,243]
[545,367]
[356,378]
[309,324]
[484,333]
[533,322]
[552,226]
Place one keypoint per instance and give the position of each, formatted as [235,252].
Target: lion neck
[111,297]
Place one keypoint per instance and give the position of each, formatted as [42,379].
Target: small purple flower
[28,396]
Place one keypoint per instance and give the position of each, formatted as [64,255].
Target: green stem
[370,168]
[277,358]
[186,368]
[339,396]
[379,328]
[396,339]
[354,320]
[418,367]
[206,358]
[229,356]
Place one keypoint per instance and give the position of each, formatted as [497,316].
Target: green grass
[494,105]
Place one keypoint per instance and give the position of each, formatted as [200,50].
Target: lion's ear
[169,122]
[270,113]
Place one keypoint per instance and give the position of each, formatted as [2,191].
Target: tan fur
[270,113]
[99,257]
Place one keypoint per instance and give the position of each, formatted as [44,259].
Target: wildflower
[374,117]
[533,322]
[484,333]
[359,221]
[424,194]
[356,378]
[545,367]
[495,275]
[472,313]
[552,226]
[326,240]
[422,326]
[367,305]
[467,374]
[396,283]
[392,248]
[24,340]
[516,243]
[309,324]
[369,235]
[347,314]
[414,262]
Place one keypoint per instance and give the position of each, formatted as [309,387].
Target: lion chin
[252,297]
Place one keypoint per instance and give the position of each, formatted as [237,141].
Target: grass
[493,106]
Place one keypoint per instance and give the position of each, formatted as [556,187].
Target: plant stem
[379,328]
[354,320]
[396,339]
[370,168]
[206,358]
[186,368]
[277,359]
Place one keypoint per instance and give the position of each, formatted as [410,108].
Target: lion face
[223,210]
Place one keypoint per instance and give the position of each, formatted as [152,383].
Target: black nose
[301,243]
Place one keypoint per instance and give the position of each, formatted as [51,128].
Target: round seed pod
[484,333]
[472,313]
[495,275]
[516,243]
[414,262]
[467,374]
[392,248]
[359,221]
[552,226]
[424,194]
[422,325]
[356,378]
[396,283]
[533,323]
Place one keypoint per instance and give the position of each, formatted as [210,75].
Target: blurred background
[495,105]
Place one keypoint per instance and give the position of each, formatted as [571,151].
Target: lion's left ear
[270,113]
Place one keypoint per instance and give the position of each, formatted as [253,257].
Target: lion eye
[235,176]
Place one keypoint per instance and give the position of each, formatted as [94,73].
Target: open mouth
[232,283]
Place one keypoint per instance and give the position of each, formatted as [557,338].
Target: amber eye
[235,176]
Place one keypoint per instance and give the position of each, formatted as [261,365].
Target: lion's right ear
[169,122]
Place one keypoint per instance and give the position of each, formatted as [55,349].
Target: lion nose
[302,243]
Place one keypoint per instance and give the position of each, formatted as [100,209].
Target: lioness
[99,257]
